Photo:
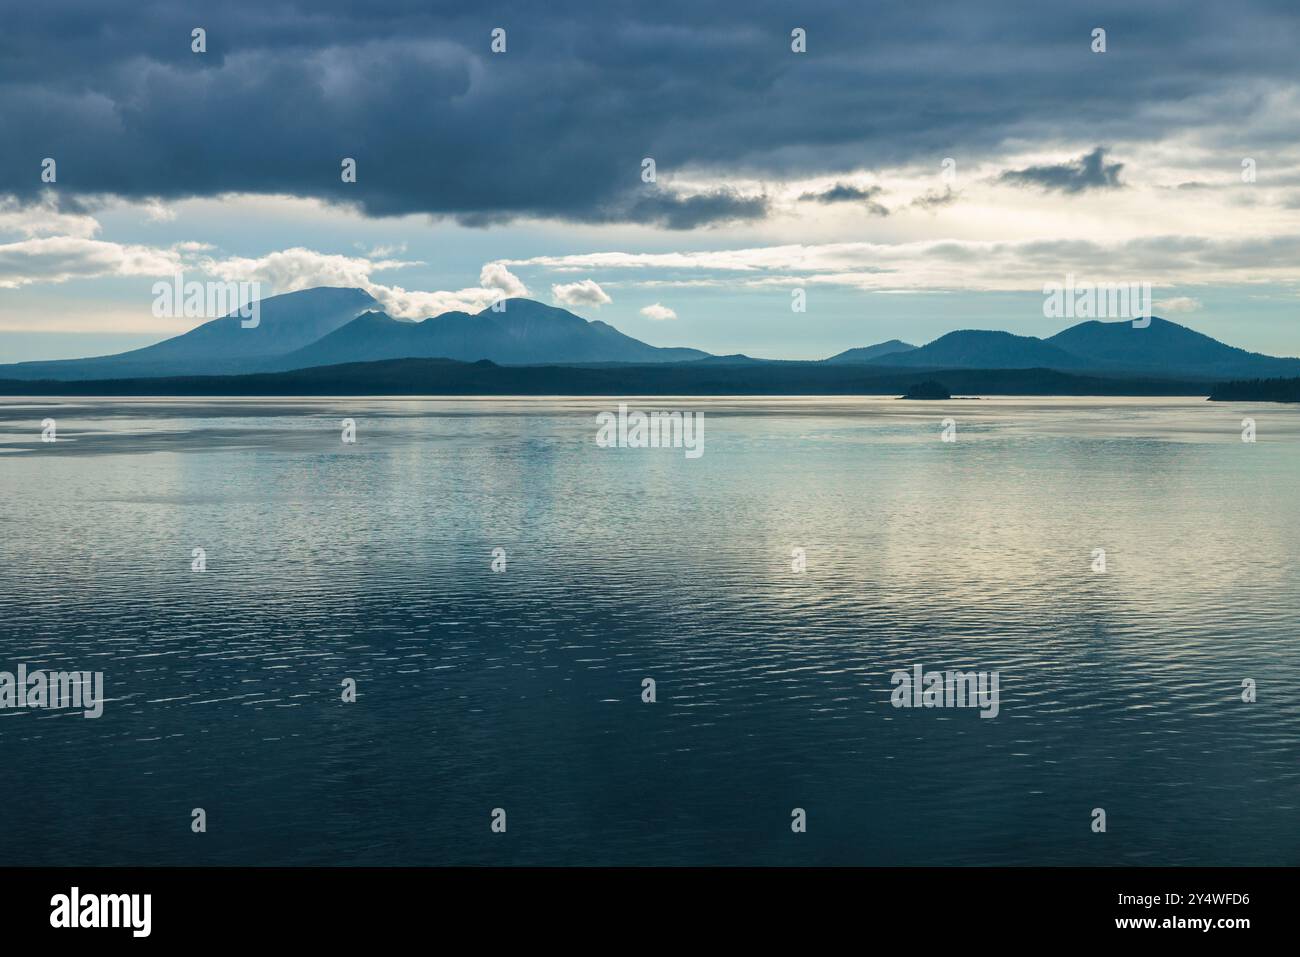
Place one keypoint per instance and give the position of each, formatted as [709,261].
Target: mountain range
[331,326]
[1162,348]
[523,333]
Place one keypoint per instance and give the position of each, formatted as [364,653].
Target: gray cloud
[687,212]
[1090,171]
[844,193]
[935,198]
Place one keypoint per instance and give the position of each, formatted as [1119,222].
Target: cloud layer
[557,126]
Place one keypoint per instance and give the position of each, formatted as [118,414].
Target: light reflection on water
[522,690]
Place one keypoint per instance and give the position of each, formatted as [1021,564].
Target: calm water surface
[522,690]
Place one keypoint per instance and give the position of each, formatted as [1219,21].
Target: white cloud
[157,212]
[496,276]
[289,270]
[381,251]
[496,282]
[1177,304]
[58,259]
[418,304]
[959,264]
[44,219]
[658,312]
[292,269]
[583,293]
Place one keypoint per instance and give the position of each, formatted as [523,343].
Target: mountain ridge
[220,346]
[523,332]
[1160,349]
[1168,345]
[867,353]
[329,325]
[983,349]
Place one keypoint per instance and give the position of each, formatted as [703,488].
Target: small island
[1257,390]
[929,389]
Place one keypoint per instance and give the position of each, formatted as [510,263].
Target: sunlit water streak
[522,690]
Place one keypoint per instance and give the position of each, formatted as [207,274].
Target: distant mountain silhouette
[330,326]
[523,333]
[977,349]
[868,353]
[735,358]
[1165,348]
[221,346]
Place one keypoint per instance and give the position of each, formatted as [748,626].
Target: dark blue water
[521,690]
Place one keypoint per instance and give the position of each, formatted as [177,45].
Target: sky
[907,169]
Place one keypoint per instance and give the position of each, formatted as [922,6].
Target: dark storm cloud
[844,193]
[686,212]
[559,124]
[1090,171]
